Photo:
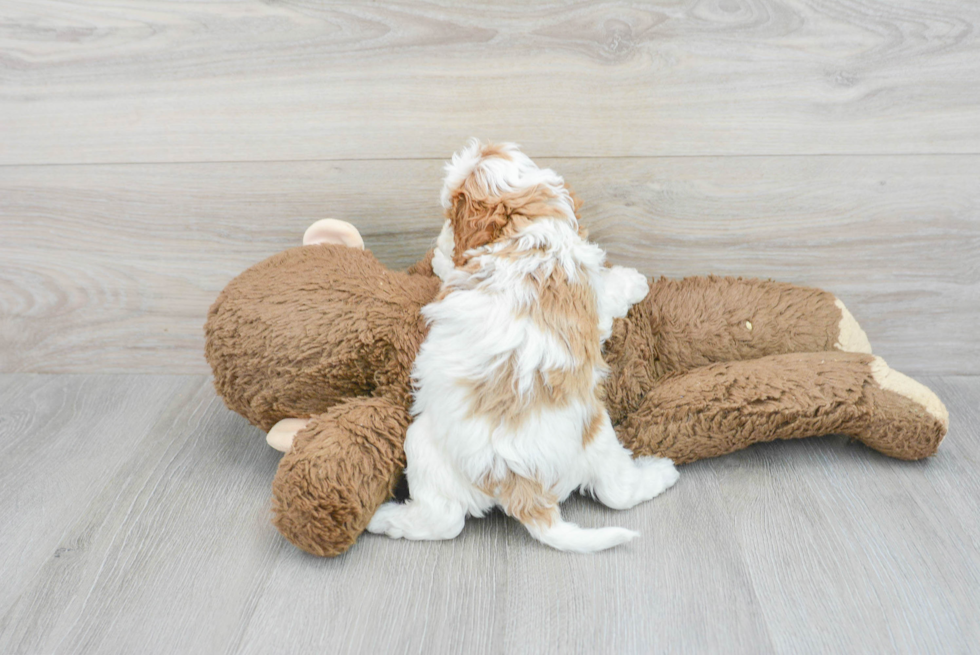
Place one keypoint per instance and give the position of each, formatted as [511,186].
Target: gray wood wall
[150,151]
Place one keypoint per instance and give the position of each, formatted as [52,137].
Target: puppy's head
[491,191]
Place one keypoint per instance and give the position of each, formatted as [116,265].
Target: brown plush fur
[328,332]
[312,327]
[345,460]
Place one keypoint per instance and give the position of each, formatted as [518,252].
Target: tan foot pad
[891,380]
[282,433]
[851,338]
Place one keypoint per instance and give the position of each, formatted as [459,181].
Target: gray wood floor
[150,150]
[136,521]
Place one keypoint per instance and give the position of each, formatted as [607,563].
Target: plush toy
[320,340]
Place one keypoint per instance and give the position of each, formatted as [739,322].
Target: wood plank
[494,589]
[160,542]
[59,441]
[161,554]
[112,268]
[173,551]
[152,81]
[856,552]
[954,477]
[386,597]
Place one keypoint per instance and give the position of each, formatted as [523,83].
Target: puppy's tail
[526,500]
[568,536]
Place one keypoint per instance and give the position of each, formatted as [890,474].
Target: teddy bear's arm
[341,467]
[423,266]
[728,406]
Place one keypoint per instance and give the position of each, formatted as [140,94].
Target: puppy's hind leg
[618,480]
[436,509]
[419,520]
[527,501]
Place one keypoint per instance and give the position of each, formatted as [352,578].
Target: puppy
[508,410]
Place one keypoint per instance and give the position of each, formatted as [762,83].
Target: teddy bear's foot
[850,337]
[908,421]
[282,433]
[330,230]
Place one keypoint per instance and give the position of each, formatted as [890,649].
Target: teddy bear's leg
[685,324]
[724,407]
[704,320]
[341,467]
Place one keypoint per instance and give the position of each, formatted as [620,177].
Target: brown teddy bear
[320,340]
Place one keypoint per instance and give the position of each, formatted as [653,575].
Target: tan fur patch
[568,312]
[592,429]
[523,498]
[568,309]
[494,150]
[577,205]
[479,219]
[496,396]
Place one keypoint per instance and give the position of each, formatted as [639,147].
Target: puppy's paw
[383,521]
[442,265]
[657,474]
[414,520]
[636,285]
[624,288]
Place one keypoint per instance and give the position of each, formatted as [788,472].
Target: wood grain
[112,268]
[188,492]
[813,512]
[46,482]
[155,81]
[139,522]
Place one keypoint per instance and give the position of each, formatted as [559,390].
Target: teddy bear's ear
[332,231]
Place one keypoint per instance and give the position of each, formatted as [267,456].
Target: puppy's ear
[476,221]
[576,201]
[576,205]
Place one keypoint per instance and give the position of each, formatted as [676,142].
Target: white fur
[442,256]
[474,330]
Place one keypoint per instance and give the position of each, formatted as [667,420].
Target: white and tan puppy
[507,407]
